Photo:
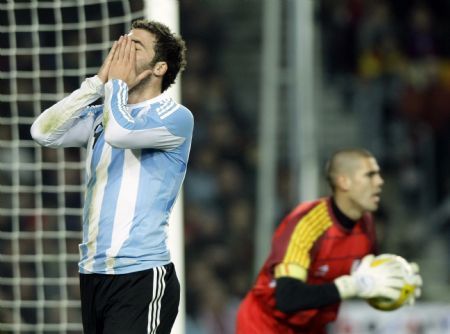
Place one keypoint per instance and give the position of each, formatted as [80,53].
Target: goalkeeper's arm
[293,294]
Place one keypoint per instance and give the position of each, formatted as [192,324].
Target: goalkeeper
[309,269]
[138,144]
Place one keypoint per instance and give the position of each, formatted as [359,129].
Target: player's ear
[160,68]
[343,182]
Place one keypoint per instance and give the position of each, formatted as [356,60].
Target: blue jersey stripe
[109,205]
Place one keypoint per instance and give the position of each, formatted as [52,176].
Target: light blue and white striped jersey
[136,162]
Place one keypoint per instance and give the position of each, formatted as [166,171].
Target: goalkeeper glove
[384,280]
[415,280]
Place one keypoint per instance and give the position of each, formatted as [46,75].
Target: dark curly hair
[168,48]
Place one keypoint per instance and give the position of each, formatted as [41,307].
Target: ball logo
[406,292]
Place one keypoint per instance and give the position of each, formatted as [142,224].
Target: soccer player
[309,269]
[138,144]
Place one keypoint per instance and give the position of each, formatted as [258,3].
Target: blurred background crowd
[384,73]
[386,67]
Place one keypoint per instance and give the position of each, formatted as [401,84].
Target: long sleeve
[68,122]
[294,295]
[164,128]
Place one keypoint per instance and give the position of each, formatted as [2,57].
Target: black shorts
[136,303]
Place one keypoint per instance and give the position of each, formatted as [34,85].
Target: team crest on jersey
[322,270]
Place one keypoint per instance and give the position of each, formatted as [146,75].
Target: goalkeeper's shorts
[136,303]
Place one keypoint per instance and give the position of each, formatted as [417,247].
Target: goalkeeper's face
[365,185]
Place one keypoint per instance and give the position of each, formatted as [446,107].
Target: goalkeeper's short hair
[337,162]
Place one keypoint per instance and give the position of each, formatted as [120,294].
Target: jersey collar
[341,218]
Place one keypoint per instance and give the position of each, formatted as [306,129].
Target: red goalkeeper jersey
[310,237]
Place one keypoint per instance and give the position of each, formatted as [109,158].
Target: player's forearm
[123,130]
[53,125]
[294,295]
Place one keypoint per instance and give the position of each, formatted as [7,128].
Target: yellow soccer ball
[385,304]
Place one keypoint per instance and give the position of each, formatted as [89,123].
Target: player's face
[144,42]
[365,185]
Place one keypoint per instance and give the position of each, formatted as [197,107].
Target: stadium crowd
[391,61]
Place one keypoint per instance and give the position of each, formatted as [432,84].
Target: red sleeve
[283,233]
